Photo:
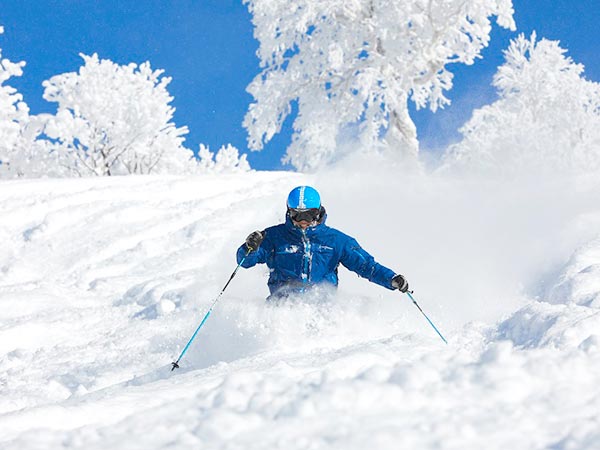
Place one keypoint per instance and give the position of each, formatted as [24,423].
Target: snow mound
[564,327]
[579,282]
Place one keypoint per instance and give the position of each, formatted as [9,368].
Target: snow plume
[483,244]
[103,281]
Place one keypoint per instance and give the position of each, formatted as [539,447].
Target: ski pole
[409,293]
[176,363]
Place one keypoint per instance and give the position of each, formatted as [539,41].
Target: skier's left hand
[400,283]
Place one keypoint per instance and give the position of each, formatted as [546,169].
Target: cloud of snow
[470,247]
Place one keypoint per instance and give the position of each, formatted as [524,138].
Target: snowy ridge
[102,281]
[580,280]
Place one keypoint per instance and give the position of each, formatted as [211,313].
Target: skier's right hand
[254,240]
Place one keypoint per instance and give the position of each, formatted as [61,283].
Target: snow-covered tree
[21,153]
[351,66]
[226,160]
[547,117]
[114,119]
[14,115]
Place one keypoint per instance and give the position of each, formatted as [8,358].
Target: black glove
[400,283]
[254,240]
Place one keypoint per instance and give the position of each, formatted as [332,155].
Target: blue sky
[208,49]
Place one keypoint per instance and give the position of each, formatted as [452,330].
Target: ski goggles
[308,215]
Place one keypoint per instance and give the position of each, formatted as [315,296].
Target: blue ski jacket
[299,259]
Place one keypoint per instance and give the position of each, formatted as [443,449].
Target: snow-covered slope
[103,281]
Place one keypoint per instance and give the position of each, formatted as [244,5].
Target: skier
[303,253]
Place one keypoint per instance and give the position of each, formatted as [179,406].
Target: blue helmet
[304,197]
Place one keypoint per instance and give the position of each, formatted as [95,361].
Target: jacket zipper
[307,258]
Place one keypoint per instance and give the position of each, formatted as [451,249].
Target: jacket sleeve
[257,257]
[358,260]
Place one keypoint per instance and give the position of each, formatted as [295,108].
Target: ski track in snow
[103,281]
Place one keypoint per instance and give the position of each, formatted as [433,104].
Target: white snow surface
[104,280]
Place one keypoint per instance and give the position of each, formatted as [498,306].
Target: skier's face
[302,224]
[304,218]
